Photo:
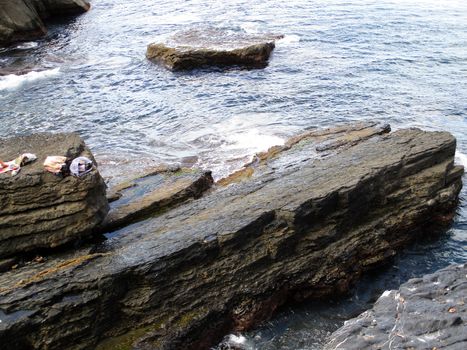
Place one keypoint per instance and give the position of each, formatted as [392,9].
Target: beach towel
[15,165]
[56,165]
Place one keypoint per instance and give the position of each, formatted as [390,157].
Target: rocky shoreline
[303,220]
[22,20]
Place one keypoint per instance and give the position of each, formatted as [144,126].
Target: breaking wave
[461,159]
[289,39]
[13,81]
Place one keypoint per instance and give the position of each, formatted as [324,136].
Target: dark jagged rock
[50,8]
[153,192]
[41,210]
[300,227]
[24,19]
[197,48]
[425,313]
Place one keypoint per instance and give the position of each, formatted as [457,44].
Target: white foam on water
[13,81]
[230,144]
[461,159]
[239,147]
[237,339]
[289,39]
[252,140]
[27,45]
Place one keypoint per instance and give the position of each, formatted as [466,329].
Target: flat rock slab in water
[153,193]
[41,210]
[425,313]
[226,261]
[198,48]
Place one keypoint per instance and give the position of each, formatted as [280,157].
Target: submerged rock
[42,210]
[299,227]
[425,313]
[198,48]
[24,19]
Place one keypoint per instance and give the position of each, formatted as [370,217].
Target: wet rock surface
[41,210]
[153,192]
[425,313]
[198,48]
[24,19]
[301,226]
[309,146]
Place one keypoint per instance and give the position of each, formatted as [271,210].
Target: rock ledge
[42,210]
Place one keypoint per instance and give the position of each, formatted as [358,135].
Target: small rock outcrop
[198,48]
[41,210]
[24,19]
[425,313]
[306,222]
[155,191]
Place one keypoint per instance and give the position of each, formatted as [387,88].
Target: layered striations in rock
[305,224]
[154,192]
[41,210]
[198,48]
[24,19]
[425,313]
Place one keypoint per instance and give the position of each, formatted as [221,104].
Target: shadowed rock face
[305,224]
[41,210]
[425,313]
[212,47]
[23,19]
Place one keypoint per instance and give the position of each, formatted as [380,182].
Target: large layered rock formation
[198,48]
[24,19]
[304,223]
[425,313]
[41,210]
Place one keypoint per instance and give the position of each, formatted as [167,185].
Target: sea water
[397,61]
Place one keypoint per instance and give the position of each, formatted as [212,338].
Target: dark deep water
[398,61]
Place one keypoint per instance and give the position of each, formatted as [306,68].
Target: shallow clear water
[398,61]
